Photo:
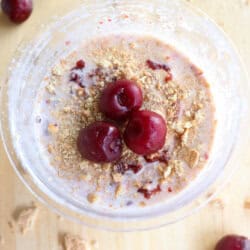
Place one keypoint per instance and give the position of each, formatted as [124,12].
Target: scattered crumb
[53,128]
[66,109]
[188,125]
[194,157]
[60,218]
[74,242]
[81,92]
[56,71]
[50,88]
[178,167]
[117,177]
[25,220]
[221,23]
[92,197]
[85,177]
[247,204]
[94,244]
[167,172]
[142,204]
[218,203]
[118,190]
[11,225]
[209,195]
[246,2]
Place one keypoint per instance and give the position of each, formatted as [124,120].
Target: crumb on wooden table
[74,242]
[247,203]
[246,2]
[94,244]
[218,203]
[60,218]
[25,220]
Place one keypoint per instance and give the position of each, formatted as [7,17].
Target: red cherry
[148,193]
[155,66]
[122,167]
[146,132]
[100,142]
[233,242]
[17,10]
[120,98]
[80,64]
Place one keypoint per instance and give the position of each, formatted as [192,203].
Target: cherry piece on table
[145,132]
[120,98]
[100,142]
[233,242]
[18,11]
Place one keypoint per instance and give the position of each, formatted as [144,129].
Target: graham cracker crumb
[117,177]
[53,128]
[11,225]
[193,159]
[199,116]
[50,148]
[247,203]
[81,92]
[142,204]
[188,125]
[118,190]
[106,166]
[75,242]
[178,127]
[185,137]
[94,244]
[60,218]
[176,166]
[92,197]
[246,2]
[188,113]
[85,177]
[167,172]
[50,88]
[218,203]
[66,109]
[56,71]
[25,220]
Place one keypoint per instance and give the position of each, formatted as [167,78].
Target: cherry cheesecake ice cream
[129,118]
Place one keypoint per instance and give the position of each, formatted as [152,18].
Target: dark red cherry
[100,142]
[148,193]
[17,10]
[145,132]
[233,242]
[119,98]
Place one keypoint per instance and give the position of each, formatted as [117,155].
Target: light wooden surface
[198,232]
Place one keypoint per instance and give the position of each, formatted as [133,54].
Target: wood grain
[199,231]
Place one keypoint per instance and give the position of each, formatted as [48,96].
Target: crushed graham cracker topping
[180,94]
